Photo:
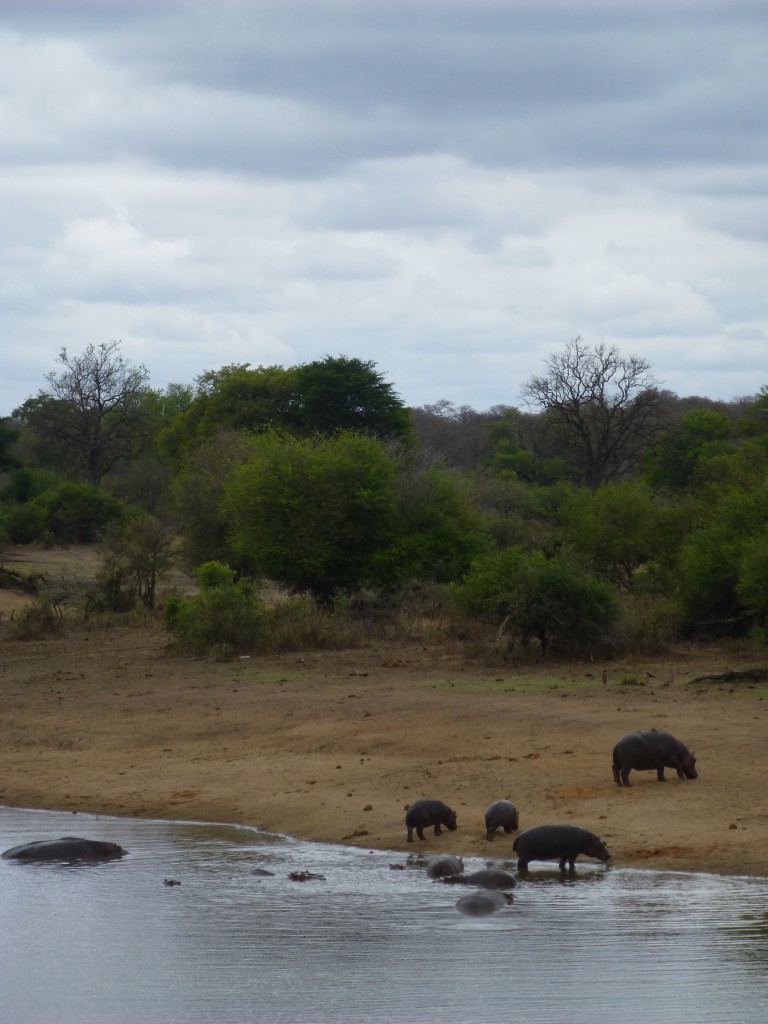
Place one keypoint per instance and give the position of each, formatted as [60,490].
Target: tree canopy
[92,414]
[610,406]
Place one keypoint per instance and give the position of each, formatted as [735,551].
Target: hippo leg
[616,776]
[522,865]
[571,863]
[660,774]
[508,829]
[438,831]
[490,834]
[680,773]
[625,776]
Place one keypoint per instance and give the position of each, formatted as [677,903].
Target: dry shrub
[38,620]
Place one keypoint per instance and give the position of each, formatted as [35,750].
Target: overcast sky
[453,189]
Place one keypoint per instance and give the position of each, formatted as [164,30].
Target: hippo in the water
[558,842]
[651,750]
[444,864]
[502,814]
[486,878]
[483,902]
[423,813]
[68,849]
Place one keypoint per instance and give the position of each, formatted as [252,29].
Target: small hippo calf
[483,902]
[486,878]
[651,750]
[423,813]
[68,849]
[444,864]
[558,842]
[502,814]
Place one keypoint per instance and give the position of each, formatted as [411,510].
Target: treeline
[608,513]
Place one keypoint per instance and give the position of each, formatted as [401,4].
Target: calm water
[111,942]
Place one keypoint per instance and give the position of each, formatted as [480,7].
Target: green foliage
[136,556]
[225,618]
[197,493]
[313,513]
[438,532]
[616,527]
[8,437]
[752,582]
[26,523]
[95,413]
[754,422]
[697,436]
[560,605]
[27,482]
[78,513]
[719,588]
[339,393]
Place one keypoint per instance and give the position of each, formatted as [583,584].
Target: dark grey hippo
[68,849]
[557,842]
[486,878]
[651,750]
[444,864]
[502,814]
[483,902]
[423,813]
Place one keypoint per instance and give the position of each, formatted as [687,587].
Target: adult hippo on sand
[68,849]
[651,750]
[423,813]
[502,814]
[558,842]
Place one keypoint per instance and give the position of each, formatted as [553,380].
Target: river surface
[365,943]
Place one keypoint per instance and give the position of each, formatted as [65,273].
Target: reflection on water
[367,943]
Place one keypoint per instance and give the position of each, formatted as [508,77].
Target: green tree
[618,528]
[226,617]
[543,598]
[341,393]
[9,434]
[137,554]
[698,435]
[609,405]
[313,513]
[92,415]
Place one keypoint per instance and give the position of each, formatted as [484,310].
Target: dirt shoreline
[332,746]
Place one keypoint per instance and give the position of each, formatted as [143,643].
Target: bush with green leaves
[544,598]
[225,618]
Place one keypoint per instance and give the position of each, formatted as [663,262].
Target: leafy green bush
[227,616]
[560,605]
[26,523]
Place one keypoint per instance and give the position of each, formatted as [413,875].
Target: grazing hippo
[651,750]
[557,842]
[423,813]
[502,814]
[483,902]
[487,878]
[444,864]
[68,849]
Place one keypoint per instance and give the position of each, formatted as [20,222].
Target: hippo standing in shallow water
[651,750]
[558,842]
[483,902]
[486,878]
[67,849]
[423,813]
[502,814]
[444,864]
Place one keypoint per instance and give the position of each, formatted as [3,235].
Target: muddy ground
[334,745]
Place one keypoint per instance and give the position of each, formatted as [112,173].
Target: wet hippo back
[68,849]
